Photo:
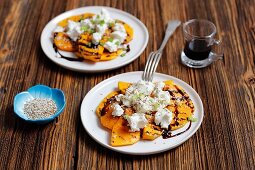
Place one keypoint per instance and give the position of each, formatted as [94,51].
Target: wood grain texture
[226,139]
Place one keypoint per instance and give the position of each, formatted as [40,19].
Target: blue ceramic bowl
[39,91]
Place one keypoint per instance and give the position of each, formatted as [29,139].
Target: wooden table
[226,139]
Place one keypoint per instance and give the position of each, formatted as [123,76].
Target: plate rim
[132,17]
[116,149]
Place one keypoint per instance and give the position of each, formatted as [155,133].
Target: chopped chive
[84,28]
[125,116]
[97,17]
[111,24]
[91,31]
[101,43]
[122,55]
[110,39]
[89,44]
[192,119]
[117,43]
[102,22]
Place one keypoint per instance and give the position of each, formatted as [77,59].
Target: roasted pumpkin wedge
[103,102]
[63,42]
[123,86]
[151,132]
[106,56]
[121,135]
[75,18]
[130,33]
[106,119]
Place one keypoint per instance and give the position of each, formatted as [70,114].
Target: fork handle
[171,27]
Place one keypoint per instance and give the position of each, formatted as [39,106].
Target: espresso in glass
[199,40]
[197,49]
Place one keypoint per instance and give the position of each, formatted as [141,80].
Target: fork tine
[154,65]
[148,74]
[147,67]
[150,67]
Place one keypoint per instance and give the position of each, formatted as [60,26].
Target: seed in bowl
[39,108]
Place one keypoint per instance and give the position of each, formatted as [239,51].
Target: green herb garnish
[156,106]
[110,39]
[122,55]
[89,44]
[111,24]
[93,22]
[101,43]
[192,119]
[91,31]
[102,22]
[117,43]
[97,17]
[84,28]
[125,116]
[135,97]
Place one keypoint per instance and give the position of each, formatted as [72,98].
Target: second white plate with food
[100,134]
[137,45]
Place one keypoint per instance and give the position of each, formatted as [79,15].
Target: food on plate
[94,37]
[145,110]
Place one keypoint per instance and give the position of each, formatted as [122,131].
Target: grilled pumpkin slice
[151,132]
[63,42]
[106,56]
[107,120]
[75,18]
[130,33]
[103,102]
[121,135]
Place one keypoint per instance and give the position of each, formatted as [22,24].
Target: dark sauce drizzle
[168,134]
[67,58]
[109,101]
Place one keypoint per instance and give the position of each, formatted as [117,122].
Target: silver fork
[154,57]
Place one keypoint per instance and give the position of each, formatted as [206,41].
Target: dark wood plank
[226,139]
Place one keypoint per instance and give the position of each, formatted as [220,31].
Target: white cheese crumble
[163,118]
[59,29]
[87,23]
[117,110]
[136,121]
[96,37]
[139,95]
[100,28]
[143,87]
[118,35]
[119,27]
[111,46]
[74,30]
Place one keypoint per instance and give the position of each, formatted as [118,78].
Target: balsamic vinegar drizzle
[67,58]
[168,134]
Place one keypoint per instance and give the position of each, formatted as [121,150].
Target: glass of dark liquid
[199,40]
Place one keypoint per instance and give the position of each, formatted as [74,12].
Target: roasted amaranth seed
[39,108]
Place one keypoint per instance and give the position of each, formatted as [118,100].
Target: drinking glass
[199,40]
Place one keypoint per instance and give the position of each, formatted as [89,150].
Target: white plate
[92,124]
[137,45]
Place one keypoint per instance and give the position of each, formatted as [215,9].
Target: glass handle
[216,56]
